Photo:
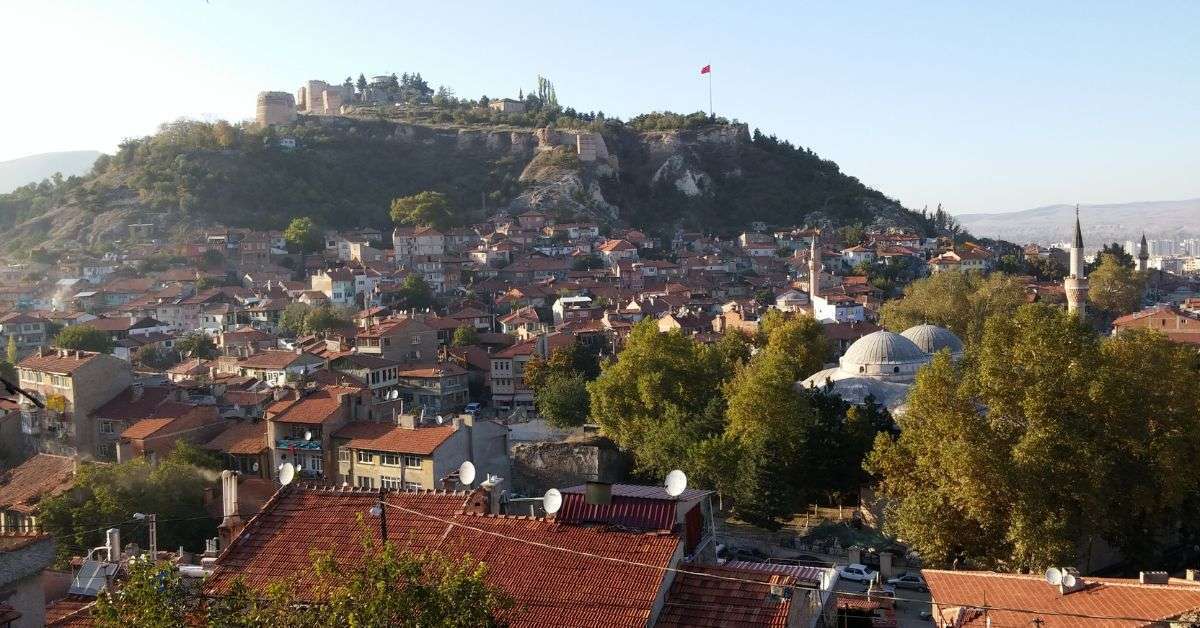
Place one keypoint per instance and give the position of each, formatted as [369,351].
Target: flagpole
[710,107]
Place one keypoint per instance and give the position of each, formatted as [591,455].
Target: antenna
[466,472]
[676,483]
[552,501]
[1054,576]
[287,474]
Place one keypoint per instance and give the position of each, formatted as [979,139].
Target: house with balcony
[438,388]
[72,384]
[278,367]
[378,374]
[405,340]
[301,421]
[28,332]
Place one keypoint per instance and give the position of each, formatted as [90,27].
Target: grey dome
[883,347]
[931,338]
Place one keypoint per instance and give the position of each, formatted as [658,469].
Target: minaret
[1143,257]
[1076,285]
[814,268]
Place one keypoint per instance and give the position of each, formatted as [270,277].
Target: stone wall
[275,108]
[538,466]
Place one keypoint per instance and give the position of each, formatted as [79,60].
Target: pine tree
[362,83]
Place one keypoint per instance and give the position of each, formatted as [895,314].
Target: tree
[1123,257]
[103,493]
[424,208]
[291,320]
[1046,442]
[10,351]
[563,400]
[83,338]
[362,83]
[465,336]
[150,356]
[415,292]
[302,236]
[153,595]
[572,359]
[322,319]
[8,371]
[1115,287]
[958,301]
[195,345]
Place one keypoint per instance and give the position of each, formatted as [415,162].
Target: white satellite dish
[466,473]
[254,467]
[440,420]
[1068,580]
[308,435]
[552,501]
[1054,576]
[676,483]
[287,474]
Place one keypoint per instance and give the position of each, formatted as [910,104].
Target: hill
[17,172]
[1102,223]
[656,172]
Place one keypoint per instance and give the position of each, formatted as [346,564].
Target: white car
[857,573]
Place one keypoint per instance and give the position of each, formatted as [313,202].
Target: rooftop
[375,436]
[43,475]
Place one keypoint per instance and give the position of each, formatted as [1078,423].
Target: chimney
[114,545]
[1154,577]
[136,390]
[407,421]
[231,522]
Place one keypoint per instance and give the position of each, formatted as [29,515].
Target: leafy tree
[1045,268]
[1115,287]
[415,292]
[1044,443]
[10,351]
[424,208]
[150,356]
[102,494]
[573,359]
[302,236]
[154,595]
[83,338]
[465,336]
[323,319]
[958,301]
[197,345]
[1123,257]
[292,319]
[362,83]
[563,400]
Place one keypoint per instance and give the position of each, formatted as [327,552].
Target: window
[344,455]
[106,427]
[416,340]
[388,481]
[366,457]
[391,460]
[364,482]
[412,486]
[412,462]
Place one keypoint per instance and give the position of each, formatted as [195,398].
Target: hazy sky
[980,106]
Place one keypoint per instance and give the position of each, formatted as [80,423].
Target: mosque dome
[885,355]
[931,339]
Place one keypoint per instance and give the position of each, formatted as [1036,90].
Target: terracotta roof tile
[699,601]
[58,361]
[241,438]
[41,476]
[375,436]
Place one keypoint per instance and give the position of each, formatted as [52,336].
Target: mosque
[884,364]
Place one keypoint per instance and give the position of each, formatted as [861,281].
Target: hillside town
[368,369]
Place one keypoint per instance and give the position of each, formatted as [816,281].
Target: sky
[979,106]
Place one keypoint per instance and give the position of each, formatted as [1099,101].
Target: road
[908,608]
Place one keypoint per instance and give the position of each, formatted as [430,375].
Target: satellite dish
[1054,576]
[254,467]
[308,435]
[440,420]
[552,501]
[287,474]
[676,483]
[1068,580]
[466,473]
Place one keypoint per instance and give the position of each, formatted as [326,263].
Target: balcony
[299,444]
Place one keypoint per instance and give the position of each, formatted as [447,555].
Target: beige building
[73,384]
[402,339]
[410,456]
[507,105]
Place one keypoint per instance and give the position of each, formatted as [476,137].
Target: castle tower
[1076,285]
[814,268]
[1143,256]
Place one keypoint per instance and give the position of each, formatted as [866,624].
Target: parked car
[748,554]
[856,573]
[473,408]
[909,580]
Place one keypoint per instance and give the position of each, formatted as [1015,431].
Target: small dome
[931,338]
[883,347]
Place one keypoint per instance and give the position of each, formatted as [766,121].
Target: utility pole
[382,516]
[152,522]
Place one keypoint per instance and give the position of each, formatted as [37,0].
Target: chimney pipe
[114,545]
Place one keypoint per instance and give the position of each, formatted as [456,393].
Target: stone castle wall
[275,108]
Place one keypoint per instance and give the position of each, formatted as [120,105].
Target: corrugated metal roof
[629,512]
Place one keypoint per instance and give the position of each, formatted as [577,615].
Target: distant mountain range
[1115,222]
[17,172]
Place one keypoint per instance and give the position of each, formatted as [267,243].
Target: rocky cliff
[344,171]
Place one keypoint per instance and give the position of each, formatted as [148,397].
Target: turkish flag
[706,69]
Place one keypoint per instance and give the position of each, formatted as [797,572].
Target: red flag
[706,69]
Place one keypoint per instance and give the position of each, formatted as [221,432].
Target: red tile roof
[72,611]
[550,587]
[1120,600]
[58,361]
[43,475]
[126,408]
[313,408]
[704,602]
[375,436]
[272,359]
[242,438]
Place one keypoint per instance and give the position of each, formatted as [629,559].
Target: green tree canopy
[325,318]
[291,321]
[563,400]
[465,336]
[424,208]
[197,345]
[415,292]
[1115,287]
[303,237]
[958,301]
[83,338]
[152,357]
[1044,443]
